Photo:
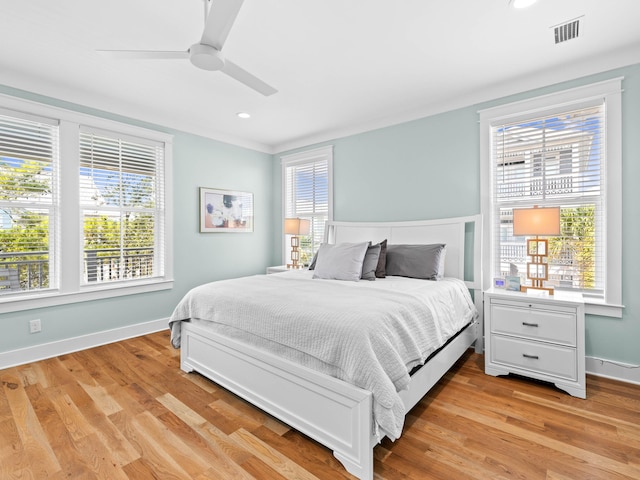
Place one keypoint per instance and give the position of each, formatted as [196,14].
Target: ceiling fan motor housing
[206,57]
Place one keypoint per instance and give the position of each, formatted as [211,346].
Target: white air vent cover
[567,30]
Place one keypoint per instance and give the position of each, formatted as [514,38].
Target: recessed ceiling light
[243,115]
[522,3]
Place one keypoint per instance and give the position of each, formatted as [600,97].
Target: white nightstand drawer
[536,357]
[538,324]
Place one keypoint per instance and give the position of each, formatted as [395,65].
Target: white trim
[611,91]
[307,156]
[41,109]
[83,342]
[529,106]
[28,301]
[620,371]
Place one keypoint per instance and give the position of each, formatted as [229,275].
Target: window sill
[51,298]
[594,306]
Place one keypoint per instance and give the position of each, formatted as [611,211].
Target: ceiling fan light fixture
[243,115]
[522,3]
[206,57]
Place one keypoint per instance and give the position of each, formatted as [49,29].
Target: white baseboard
[623,372]
[595,366]
[74,344]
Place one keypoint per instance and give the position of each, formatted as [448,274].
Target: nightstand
[536,336]
[277,269]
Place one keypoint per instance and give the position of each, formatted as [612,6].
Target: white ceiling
[340,66]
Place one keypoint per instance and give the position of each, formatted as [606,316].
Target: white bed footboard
[334,413]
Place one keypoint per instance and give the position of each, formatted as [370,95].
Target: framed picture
[225,211]
[512,282]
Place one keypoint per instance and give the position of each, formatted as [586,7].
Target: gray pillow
[340,261]
[382,260]
[416,261]
[370,262]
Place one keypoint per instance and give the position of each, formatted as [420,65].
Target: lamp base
[536,289]
[295,266]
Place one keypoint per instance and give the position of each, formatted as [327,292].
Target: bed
[238,334]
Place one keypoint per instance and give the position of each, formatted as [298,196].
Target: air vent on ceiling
[567,30]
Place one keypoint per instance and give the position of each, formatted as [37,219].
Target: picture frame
[512,283]
[225,211]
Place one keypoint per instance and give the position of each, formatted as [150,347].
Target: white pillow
[340,261]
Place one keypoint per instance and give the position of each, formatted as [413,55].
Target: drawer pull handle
[535,357]
[527,324]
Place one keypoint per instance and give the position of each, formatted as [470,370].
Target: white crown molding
[567,72]
[533,81]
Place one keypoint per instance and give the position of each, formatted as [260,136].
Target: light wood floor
[126,411]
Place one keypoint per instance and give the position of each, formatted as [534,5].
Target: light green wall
[198,257]
[429,168]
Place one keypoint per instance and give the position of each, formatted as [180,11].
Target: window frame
[611,92]
[301,158]
[69,288]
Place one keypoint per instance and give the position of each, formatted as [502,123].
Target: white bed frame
[331,411]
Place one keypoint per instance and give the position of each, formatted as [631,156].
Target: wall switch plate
[35,326]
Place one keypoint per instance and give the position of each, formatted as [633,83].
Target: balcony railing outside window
[32,268]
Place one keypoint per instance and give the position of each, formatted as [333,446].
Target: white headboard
[450,231]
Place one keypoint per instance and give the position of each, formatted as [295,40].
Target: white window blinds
[121,206]
[28,188]
[307,194]
[556,159]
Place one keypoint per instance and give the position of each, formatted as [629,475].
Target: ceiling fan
[207,54]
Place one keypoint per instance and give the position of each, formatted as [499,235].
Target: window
[120,205]
[307,193]
[561,150]
[28,205]
[84,207]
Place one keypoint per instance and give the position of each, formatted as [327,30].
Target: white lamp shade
[536,221]
[297,226]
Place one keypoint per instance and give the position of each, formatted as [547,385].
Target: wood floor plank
[269,455]
[152,450]
[127,411]
[33,437]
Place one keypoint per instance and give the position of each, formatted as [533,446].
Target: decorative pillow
[382,260]
[312,265]
[416,261]
[370,262]
[340,261]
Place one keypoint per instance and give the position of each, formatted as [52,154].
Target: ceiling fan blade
[145,54]
[221,16]
[249,80]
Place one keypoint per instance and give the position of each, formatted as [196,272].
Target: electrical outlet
[35,326]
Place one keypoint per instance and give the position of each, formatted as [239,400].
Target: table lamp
[537,222]
[296,227]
